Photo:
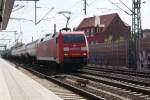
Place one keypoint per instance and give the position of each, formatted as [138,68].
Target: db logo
[74,45]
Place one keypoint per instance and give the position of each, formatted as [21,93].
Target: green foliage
[109,39]
[120,39]
[18,44]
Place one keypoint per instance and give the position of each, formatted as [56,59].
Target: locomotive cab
[75,49]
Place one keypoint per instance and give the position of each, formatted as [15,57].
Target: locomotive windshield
[73,38]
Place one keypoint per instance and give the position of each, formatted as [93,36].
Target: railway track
[65,94]
[97,93]
[117,83]
[80,94]
[123,78]
[108,91]
[120,71]
[97,87]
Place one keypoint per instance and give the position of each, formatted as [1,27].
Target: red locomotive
[62,48]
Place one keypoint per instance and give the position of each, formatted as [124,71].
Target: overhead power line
[24,19]
[18,8]
[45,15]
[119,7]
[125,5]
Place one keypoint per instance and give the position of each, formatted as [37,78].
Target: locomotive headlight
[83,48]
[65,54]
[66,49]
[84,54]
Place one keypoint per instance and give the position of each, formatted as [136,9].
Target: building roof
[105,20]
[146,30]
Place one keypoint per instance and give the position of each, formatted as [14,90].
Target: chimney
[97,21]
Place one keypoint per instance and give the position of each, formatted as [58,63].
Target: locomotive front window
[77,38]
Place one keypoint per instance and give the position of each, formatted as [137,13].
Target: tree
[18,44]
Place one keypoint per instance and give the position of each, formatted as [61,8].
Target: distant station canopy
[0,18]
[27,0]
[5,11]
[1,11]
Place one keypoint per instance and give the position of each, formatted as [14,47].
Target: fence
[144,52]
[116,54]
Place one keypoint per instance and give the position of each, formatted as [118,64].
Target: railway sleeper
[82,82]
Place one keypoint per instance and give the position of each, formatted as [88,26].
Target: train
[62,48]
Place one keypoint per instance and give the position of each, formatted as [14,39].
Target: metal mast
[136,18]
[85,7]
[136,34]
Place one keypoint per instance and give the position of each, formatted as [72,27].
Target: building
[146,33]
[105,28]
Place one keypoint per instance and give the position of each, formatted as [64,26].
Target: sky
[26,29]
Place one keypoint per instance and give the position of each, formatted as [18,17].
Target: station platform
[15,85]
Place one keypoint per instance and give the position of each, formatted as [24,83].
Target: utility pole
[136,34]
[15,33]
[35,8]
[133,57]
[55,29]
[136,18]
[35,12]
[32,38]
[85,7]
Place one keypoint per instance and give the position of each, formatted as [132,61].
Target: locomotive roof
[19,48]
[32,42]
[46,38]
[73,32]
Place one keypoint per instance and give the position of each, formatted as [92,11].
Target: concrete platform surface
[15,85]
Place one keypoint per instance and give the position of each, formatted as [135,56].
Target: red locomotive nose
[75,49]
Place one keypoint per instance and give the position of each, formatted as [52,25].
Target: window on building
[85,31]
[101,29]
[92,30]
[92,42]
[87,35]
[117,21]
[96,42]
[97,29]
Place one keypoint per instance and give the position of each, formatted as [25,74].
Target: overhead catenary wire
[44,16]
[125,5]
[13,18]
[89,4]
[120,8]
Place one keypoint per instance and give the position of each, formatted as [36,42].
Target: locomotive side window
[56,39]
[73,38]
[42,39]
